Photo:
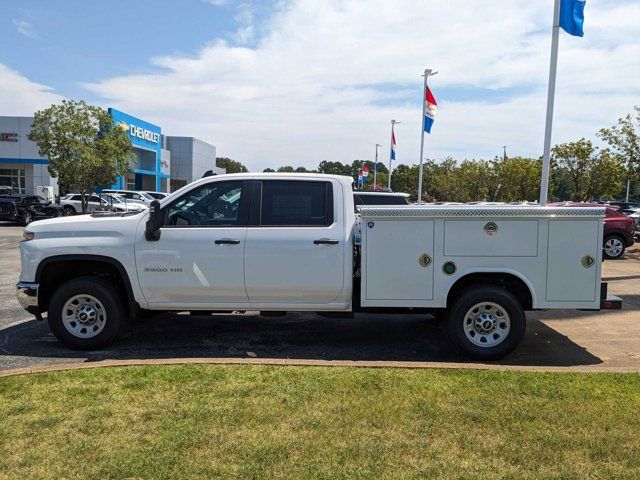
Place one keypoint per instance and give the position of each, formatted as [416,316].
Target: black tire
[619,241]
[69,210]
[26,219]
[473,296]
[102,290]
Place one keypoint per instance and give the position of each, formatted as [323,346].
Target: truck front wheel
[85,313]
[486,322]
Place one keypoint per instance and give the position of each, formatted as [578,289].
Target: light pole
[375,168]
[392,154]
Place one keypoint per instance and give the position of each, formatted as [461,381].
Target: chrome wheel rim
[84,316]
[486,324]
[613,247]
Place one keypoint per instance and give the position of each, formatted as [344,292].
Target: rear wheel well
[508,281]
[56,272]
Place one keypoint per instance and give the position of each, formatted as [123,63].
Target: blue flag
[572,16]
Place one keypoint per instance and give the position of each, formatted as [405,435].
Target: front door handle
[227,241]
[324,241]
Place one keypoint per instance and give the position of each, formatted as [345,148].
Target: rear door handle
[227,241]
[324,241]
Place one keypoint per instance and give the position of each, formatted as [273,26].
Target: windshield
[158,195]
[380,200]
[110,199]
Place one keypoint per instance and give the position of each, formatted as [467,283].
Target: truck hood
[81,225]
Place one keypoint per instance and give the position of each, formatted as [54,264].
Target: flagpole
[427,73]
[375,168]
[393,123]
[553,67]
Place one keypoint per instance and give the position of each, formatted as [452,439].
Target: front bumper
[27,294]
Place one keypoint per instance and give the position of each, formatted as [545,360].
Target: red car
[618,229]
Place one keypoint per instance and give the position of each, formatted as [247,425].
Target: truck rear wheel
[486,322]
[85,313]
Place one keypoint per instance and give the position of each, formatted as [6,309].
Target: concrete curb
[308,363]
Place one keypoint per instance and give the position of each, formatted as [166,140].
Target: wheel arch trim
[94,258]
[496,270]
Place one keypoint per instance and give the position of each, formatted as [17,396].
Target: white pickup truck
[292,242]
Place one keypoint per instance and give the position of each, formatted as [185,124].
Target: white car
[636,218]
[293,243]
[72,204]
[157,195]
[130,195]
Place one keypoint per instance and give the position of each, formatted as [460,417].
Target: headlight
[27,235]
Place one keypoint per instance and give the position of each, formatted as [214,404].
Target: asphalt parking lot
[559,339]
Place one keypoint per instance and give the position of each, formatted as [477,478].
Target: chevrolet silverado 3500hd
[292,242]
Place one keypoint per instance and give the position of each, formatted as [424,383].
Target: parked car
[380,198]
[136,196]
[625,207]
[157,195]
[619,229]
[285,242]
[72,204]
[26,208]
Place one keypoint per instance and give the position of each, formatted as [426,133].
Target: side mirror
[152,231]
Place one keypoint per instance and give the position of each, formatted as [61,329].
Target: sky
[295,82]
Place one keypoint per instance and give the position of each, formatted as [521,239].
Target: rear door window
[296,203]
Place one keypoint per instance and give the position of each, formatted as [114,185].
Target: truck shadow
[304,336]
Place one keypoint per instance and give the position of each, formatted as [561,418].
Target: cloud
[325,78]
[20,96]
[25,28]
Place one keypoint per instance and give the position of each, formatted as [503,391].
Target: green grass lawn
[314,422]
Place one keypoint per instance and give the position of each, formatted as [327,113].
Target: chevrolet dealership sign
[141,132]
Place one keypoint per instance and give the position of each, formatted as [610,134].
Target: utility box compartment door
[574,253]
[398,259]
[496,237]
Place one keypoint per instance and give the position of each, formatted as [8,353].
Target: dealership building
[162,163]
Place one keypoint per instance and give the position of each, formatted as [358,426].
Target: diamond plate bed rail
[418,211]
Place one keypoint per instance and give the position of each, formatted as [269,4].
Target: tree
[334,168]
[519,177]
[590,173]
[85,148]
[474,181]
[285,169]
[230,166]
[624,138]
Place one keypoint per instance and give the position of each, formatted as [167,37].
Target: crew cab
[292,242]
